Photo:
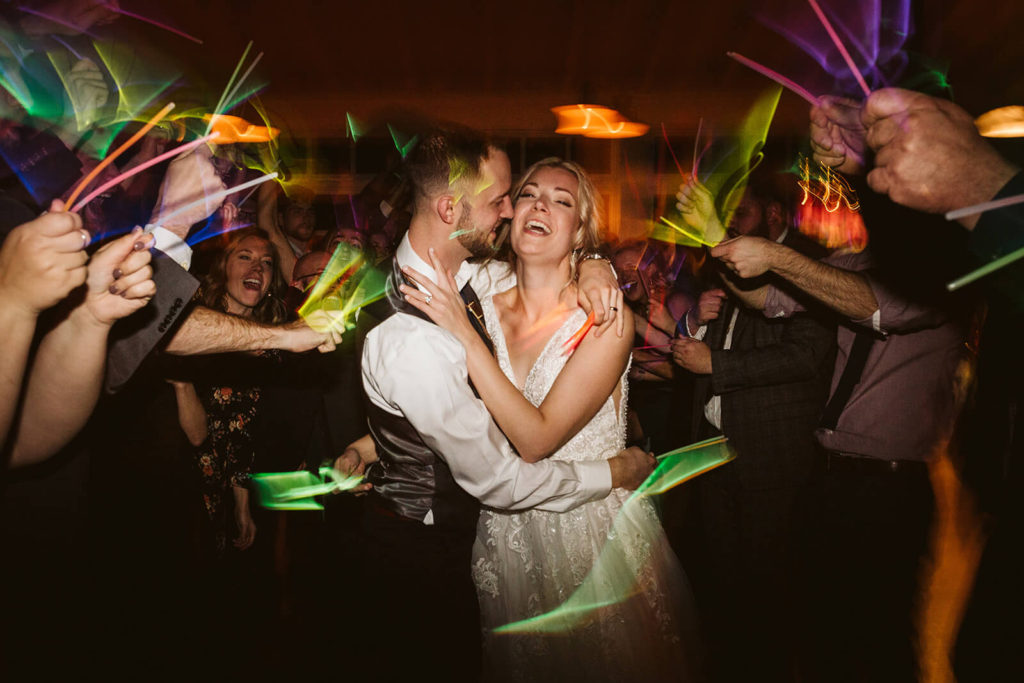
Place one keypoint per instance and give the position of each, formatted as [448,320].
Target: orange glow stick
[572,342]
[117,152]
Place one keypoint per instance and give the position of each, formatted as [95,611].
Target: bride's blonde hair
[588,204]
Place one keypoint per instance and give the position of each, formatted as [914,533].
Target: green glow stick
[986,269]
[613,578]
[296,490]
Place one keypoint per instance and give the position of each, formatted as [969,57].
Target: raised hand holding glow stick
[142,167]
[216,197]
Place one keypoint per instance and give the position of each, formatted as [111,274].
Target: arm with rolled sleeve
[894,314]
[419,370]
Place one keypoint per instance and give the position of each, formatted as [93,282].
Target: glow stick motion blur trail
[217,196]
[154,22]
[842,48]
[234,91]
[986,269]
[56,20]
[787,83]
[296,490]
[613,578]
[117,152]
[572,342]
[985,206]
[687,233]
[228,87]
[998,263]
[181,149]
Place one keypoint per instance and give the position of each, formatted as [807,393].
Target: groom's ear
[446,208]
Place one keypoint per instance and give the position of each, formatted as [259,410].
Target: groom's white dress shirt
[416,369]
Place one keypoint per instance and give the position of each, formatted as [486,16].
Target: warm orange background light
[595,121]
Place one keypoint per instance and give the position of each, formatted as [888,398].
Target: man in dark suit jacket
[762,383]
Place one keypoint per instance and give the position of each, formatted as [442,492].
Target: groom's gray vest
[409,478]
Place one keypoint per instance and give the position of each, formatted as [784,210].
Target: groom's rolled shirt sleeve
[421,373]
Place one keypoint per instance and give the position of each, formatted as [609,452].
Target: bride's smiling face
[547,215]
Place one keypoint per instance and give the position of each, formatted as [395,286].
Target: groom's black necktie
[476,315]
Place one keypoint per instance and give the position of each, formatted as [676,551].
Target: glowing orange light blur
[236,129]
[1004,122]
[595,121]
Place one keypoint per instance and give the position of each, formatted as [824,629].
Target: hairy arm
[847,292]
[206,331]
[582,387]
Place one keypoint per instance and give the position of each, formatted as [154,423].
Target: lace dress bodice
[605,434]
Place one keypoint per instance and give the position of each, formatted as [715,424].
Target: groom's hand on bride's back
[631,467]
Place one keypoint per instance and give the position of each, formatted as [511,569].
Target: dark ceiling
[501,66]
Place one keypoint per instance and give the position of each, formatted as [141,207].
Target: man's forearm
[844,291]
[208,331]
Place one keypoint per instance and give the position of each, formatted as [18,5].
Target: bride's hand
[441,302]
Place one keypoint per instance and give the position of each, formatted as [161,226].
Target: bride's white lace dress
[528,563]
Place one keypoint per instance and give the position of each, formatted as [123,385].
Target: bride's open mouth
[538,228]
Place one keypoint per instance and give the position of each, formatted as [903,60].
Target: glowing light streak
[236,129]
[693,236]
[216,197]
[50,17]
[984,206]
[826,186]
[787,83]
[227,88]
[117,152]
[228,99]
[987,269]
[402,149]
[354,131]
[153,22]
[76,53]
[664,134]
[842,48]
[579,119]
[570,344]
[142,167]
[134,92]
[613,578]
[296,490]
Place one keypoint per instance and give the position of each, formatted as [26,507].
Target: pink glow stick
[154,22]
[775,76]
[668,144]
[842,48]
[142,167]
[696,144]
[56,20]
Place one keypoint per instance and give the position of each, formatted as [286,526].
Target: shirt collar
[407,256]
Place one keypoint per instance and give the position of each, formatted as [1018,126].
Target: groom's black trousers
[421,603]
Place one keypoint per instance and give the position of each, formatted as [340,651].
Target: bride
[553,401]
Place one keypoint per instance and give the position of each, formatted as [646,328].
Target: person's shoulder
[408,340]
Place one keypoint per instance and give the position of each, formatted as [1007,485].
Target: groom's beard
[476,242]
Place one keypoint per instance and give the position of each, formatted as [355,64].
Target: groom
[440,453]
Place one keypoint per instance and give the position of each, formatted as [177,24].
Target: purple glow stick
[141,167]
[842,48]
[776,76]
[154,22]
